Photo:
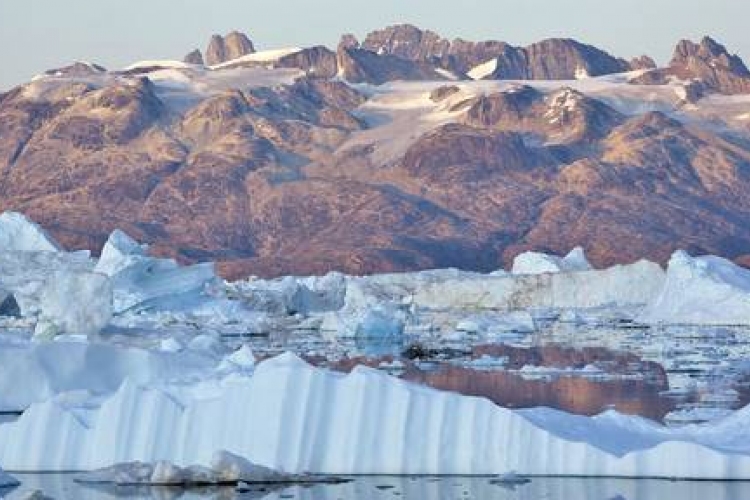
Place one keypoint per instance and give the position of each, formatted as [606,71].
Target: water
[705,371]
[62,487]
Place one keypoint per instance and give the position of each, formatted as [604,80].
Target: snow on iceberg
[702,291]
[540,263]
[293,417]
[19,234]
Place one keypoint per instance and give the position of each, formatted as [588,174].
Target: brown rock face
[708,63]
[359,65]
[642,62]
[554,59]
[270,175]
[222,49]
[194,57]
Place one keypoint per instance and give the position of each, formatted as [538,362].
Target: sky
[36,35]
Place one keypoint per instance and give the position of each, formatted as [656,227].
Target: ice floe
[224,467]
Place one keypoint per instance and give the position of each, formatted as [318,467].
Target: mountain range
[402,151]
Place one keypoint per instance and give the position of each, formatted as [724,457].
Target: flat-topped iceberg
[293,417]
[633,285]
[704,290]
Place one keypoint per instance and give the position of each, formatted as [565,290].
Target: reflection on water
[699,367]
[61,487]
[579,395]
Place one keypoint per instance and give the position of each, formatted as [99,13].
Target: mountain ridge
[305,160]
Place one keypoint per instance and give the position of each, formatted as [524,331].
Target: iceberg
[35,372]
[293,417]
[7,481]
[19,234]
[74,303]
[540,263]
[701,291]
[224,468]
[148,283]
[632,285]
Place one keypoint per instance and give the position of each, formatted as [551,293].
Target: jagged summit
[387,154]
[226,48]
[708,52]
[707,65]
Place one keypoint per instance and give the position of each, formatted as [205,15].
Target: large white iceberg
[701,291]
[293,417]
[540,263]
[19,234]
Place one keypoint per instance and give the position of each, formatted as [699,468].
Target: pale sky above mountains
[40,34]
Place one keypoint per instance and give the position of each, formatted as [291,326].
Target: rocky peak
[348,41]
[710,53]
[408,42]
[707,65]
[222,49]
[194,57]
[553,59]
[77,69]
[642,62]
[564,59]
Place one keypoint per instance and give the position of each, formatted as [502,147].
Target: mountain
[226,48]
[553,59]
[301,160]
[707,64]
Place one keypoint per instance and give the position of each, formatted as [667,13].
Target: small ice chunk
[229,467]
[171,344]
[167,473]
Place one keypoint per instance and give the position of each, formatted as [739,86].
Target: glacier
[292,417]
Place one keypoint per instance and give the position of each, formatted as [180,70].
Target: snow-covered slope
[704,290]
[263,56]
[483,70]
[293,417]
